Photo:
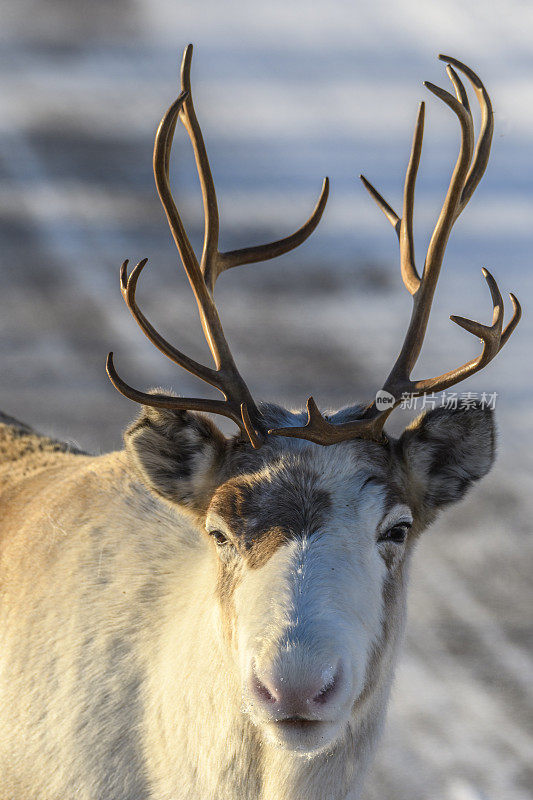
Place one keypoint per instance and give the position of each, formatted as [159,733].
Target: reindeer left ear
[445,451]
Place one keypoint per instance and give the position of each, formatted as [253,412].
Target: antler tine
[264,252]
[462,97]
[404,225]
[162,146]
[213,262]
[190,121]
[380,201]
[460,91]
[410,274]
[482,150]
[490,335]
[423,296]
[168,401]
[446,218]
[515,319]
[128,285]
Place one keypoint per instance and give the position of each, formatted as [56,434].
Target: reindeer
[198,617]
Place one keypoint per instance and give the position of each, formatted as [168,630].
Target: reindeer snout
[289,693]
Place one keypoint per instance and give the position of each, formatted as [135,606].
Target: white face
[308,606]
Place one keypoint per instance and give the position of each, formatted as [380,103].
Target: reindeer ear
[179,454]
[445,451]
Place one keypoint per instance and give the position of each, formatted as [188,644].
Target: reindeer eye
[219,537]
[396,534]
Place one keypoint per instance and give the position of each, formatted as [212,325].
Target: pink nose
[283,696]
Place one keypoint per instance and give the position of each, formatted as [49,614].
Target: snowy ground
[287,93]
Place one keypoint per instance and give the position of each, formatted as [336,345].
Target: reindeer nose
[285,693]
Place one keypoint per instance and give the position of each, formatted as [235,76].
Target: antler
[468,171]
[238,404]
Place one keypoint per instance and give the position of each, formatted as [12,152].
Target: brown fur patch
[265,510]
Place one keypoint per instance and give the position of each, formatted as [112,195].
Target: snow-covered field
[288,92]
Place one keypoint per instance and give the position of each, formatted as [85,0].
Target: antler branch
[238,404]
[468,171]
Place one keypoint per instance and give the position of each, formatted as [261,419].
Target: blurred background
[286,93]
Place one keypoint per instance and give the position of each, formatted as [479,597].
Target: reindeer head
[311,519]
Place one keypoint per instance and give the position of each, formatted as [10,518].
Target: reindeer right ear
[178,453]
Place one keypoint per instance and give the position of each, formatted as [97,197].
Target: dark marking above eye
[264,512]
